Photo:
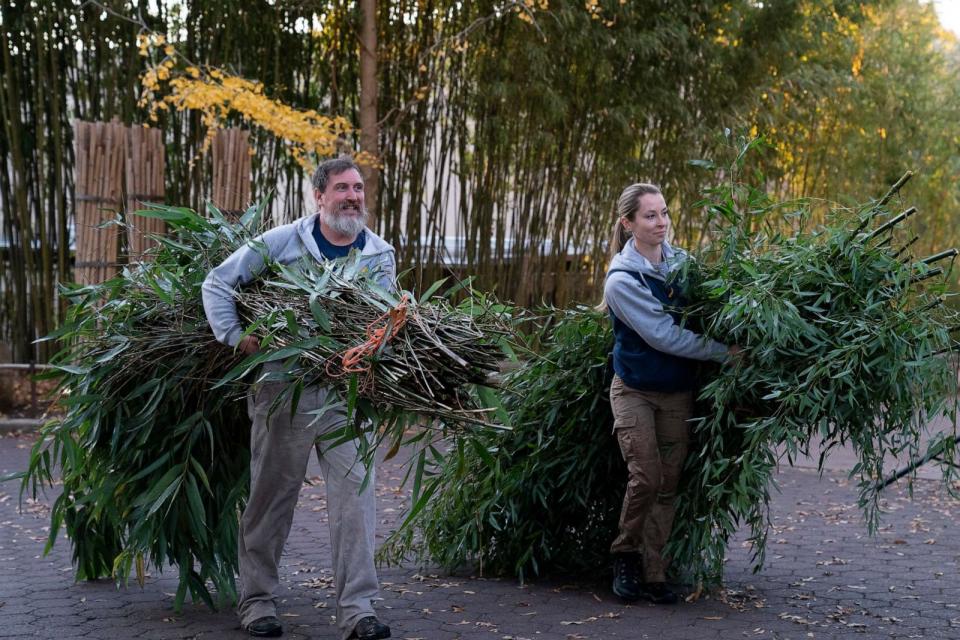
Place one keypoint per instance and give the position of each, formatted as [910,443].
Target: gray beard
[345,224]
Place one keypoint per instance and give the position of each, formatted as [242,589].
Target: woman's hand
[735,354]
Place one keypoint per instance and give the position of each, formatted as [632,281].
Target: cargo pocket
[625,433]
[622,406]
[625,422]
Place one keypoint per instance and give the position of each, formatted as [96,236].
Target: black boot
[658,593]
[265,627]
[370,628]
[626,576]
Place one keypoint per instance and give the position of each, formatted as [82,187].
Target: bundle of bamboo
[845,336]
[338,329]
[152,450]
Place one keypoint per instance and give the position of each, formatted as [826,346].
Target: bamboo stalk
[933,304]
[892,222]
[895,189]
[60,170]
[926,276]
[23,263]
[15,203]
[906,246]
[42,275]
[949,253]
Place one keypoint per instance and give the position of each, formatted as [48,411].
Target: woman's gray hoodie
[635,305]
[284,244]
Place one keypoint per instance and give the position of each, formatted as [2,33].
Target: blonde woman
[653,390]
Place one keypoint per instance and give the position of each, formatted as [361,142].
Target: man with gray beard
[281,440]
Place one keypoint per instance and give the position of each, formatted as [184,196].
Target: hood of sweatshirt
[374,245]
[630,259]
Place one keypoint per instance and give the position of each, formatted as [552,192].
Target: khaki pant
[280,447]
[653,433]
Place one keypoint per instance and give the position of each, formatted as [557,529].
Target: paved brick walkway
[825,578]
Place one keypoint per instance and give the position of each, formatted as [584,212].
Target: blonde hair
[627,206]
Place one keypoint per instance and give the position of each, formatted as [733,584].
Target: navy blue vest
[639,365]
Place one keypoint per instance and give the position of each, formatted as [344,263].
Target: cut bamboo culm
[145,161]
[906,246]
[99,181]
[890,224]
[949,253]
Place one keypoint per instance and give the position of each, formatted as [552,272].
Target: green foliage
[545,122]
[545,494]
[845,345]
[876,96]
[153,451]
[846,336]
[154,465]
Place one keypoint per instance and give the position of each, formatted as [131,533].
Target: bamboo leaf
[319,314]
[196,502]
[432,289]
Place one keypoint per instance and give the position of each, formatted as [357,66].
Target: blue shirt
[332,251]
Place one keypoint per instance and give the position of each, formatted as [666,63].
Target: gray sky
[949,12]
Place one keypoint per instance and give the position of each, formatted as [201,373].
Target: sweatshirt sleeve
[220,286]
[637,307]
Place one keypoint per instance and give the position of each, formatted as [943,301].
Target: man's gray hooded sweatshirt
[285,244]
[652,352]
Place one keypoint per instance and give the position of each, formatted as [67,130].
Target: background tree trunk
[369,130]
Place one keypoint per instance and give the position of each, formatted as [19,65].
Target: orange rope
[352,359]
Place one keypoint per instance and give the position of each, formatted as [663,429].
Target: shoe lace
[627,570]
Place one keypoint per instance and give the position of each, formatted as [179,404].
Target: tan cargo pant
[280,447]
[653,433]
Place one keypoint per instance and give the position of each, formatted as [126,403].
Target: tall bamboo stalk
[17,212]
[369,130]
[518,149]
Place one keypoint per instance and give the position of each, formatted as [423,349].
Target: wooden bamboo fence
[99,187]
[144,171]
[231,169]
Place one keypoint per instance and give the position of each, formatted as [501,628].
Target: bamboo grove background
[507,129]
